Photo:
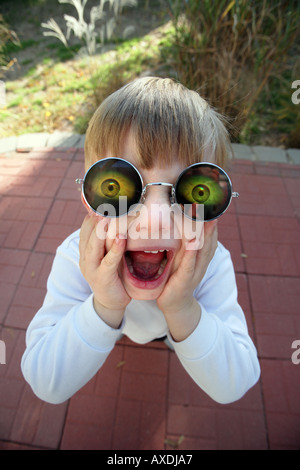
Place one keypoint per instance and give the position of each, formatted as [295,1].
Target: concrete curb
[28,142]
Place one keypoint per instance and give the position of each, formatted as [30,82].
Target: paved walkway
[148,401]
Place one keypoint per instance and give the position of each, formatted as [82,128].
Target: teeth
[156,251]
[161,268]
[130,268]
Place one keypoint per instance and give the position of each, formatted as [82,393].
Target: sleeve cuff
[93,330]
[201,340]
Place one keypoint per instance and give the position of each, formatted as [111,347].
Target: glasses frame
[156,183]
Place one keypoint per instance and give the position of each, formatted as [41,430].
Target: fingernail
[120,236]
[195,244]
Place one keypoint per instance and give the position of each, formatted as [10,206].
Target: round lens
[111,186]
[204,191]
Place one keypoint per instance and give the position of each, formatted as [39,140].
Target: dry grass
[229,50]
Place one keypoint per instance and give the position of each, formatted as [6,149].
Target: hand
[180,308]
[100,269]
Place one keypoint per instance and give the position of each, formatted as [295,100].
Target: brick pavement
[142,398]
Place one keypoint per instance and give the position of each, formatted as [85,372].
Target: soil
[25,18]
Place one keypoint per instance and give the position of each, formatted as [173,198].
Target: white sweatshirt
[67,342]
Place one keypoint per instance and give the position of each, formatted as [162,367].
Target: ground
[48,89]
[143,20]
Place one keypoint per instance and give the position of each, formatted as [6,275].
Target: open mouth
[147,265]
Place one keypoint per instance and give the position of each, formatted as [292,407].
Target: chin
[140,294]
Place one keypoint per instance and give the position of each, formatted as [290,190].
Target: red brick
[12,263]
[143,387]
[89,423]
[79,436]
[244,430]
[37,422]
[25,304]
[229,236]
[10,392]
[281,385]
[262,195]
[15,344]
[22,220]
[189,443]
[19,316]
[6,294]
[75,170]
[146,361]
[69,190]
[152,426]
[267,168]
[7,416]
[244,301]
[283,431]
[126,431]
[182,389]
[274,346]
[108,378]
[28,297]
[53,235]
[275,294]
[37,270]
[240,167]
[79,156]
[192,421]
[271,245]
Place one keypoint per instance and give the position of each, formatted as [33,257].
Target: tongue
[146,265]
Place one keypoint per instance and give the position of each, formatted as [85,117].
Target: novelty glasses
[113,187]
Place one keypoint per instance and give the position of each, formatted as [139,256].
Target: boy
[123,275]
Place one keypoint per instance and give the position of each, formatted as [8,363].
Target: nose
[156,218]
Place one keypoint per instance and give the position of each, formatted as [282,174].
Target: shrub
[100,27]
[229,50]
[6,36]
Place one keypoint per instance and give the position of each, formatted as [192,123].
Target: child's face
[156,229]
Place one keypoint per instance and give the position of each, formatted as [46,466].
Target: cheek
[185,228]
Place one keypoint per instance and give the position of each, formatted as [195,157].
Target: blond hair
[167,120]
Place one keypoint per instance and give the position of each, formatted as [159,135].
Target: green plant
[229,50]
[88,32]
[7,36]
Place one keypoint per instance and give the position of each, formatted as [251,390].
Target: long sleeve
[67,342]
[220,355]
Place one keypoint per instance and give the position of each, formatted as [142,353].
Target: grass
[238,58]
[58,94]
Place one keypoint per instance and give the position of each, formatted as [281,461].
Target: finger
[210,227]
[85,232]
[95,246]
[102,227]
[206,254]
[114,256]
[211,235]
[185,272]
